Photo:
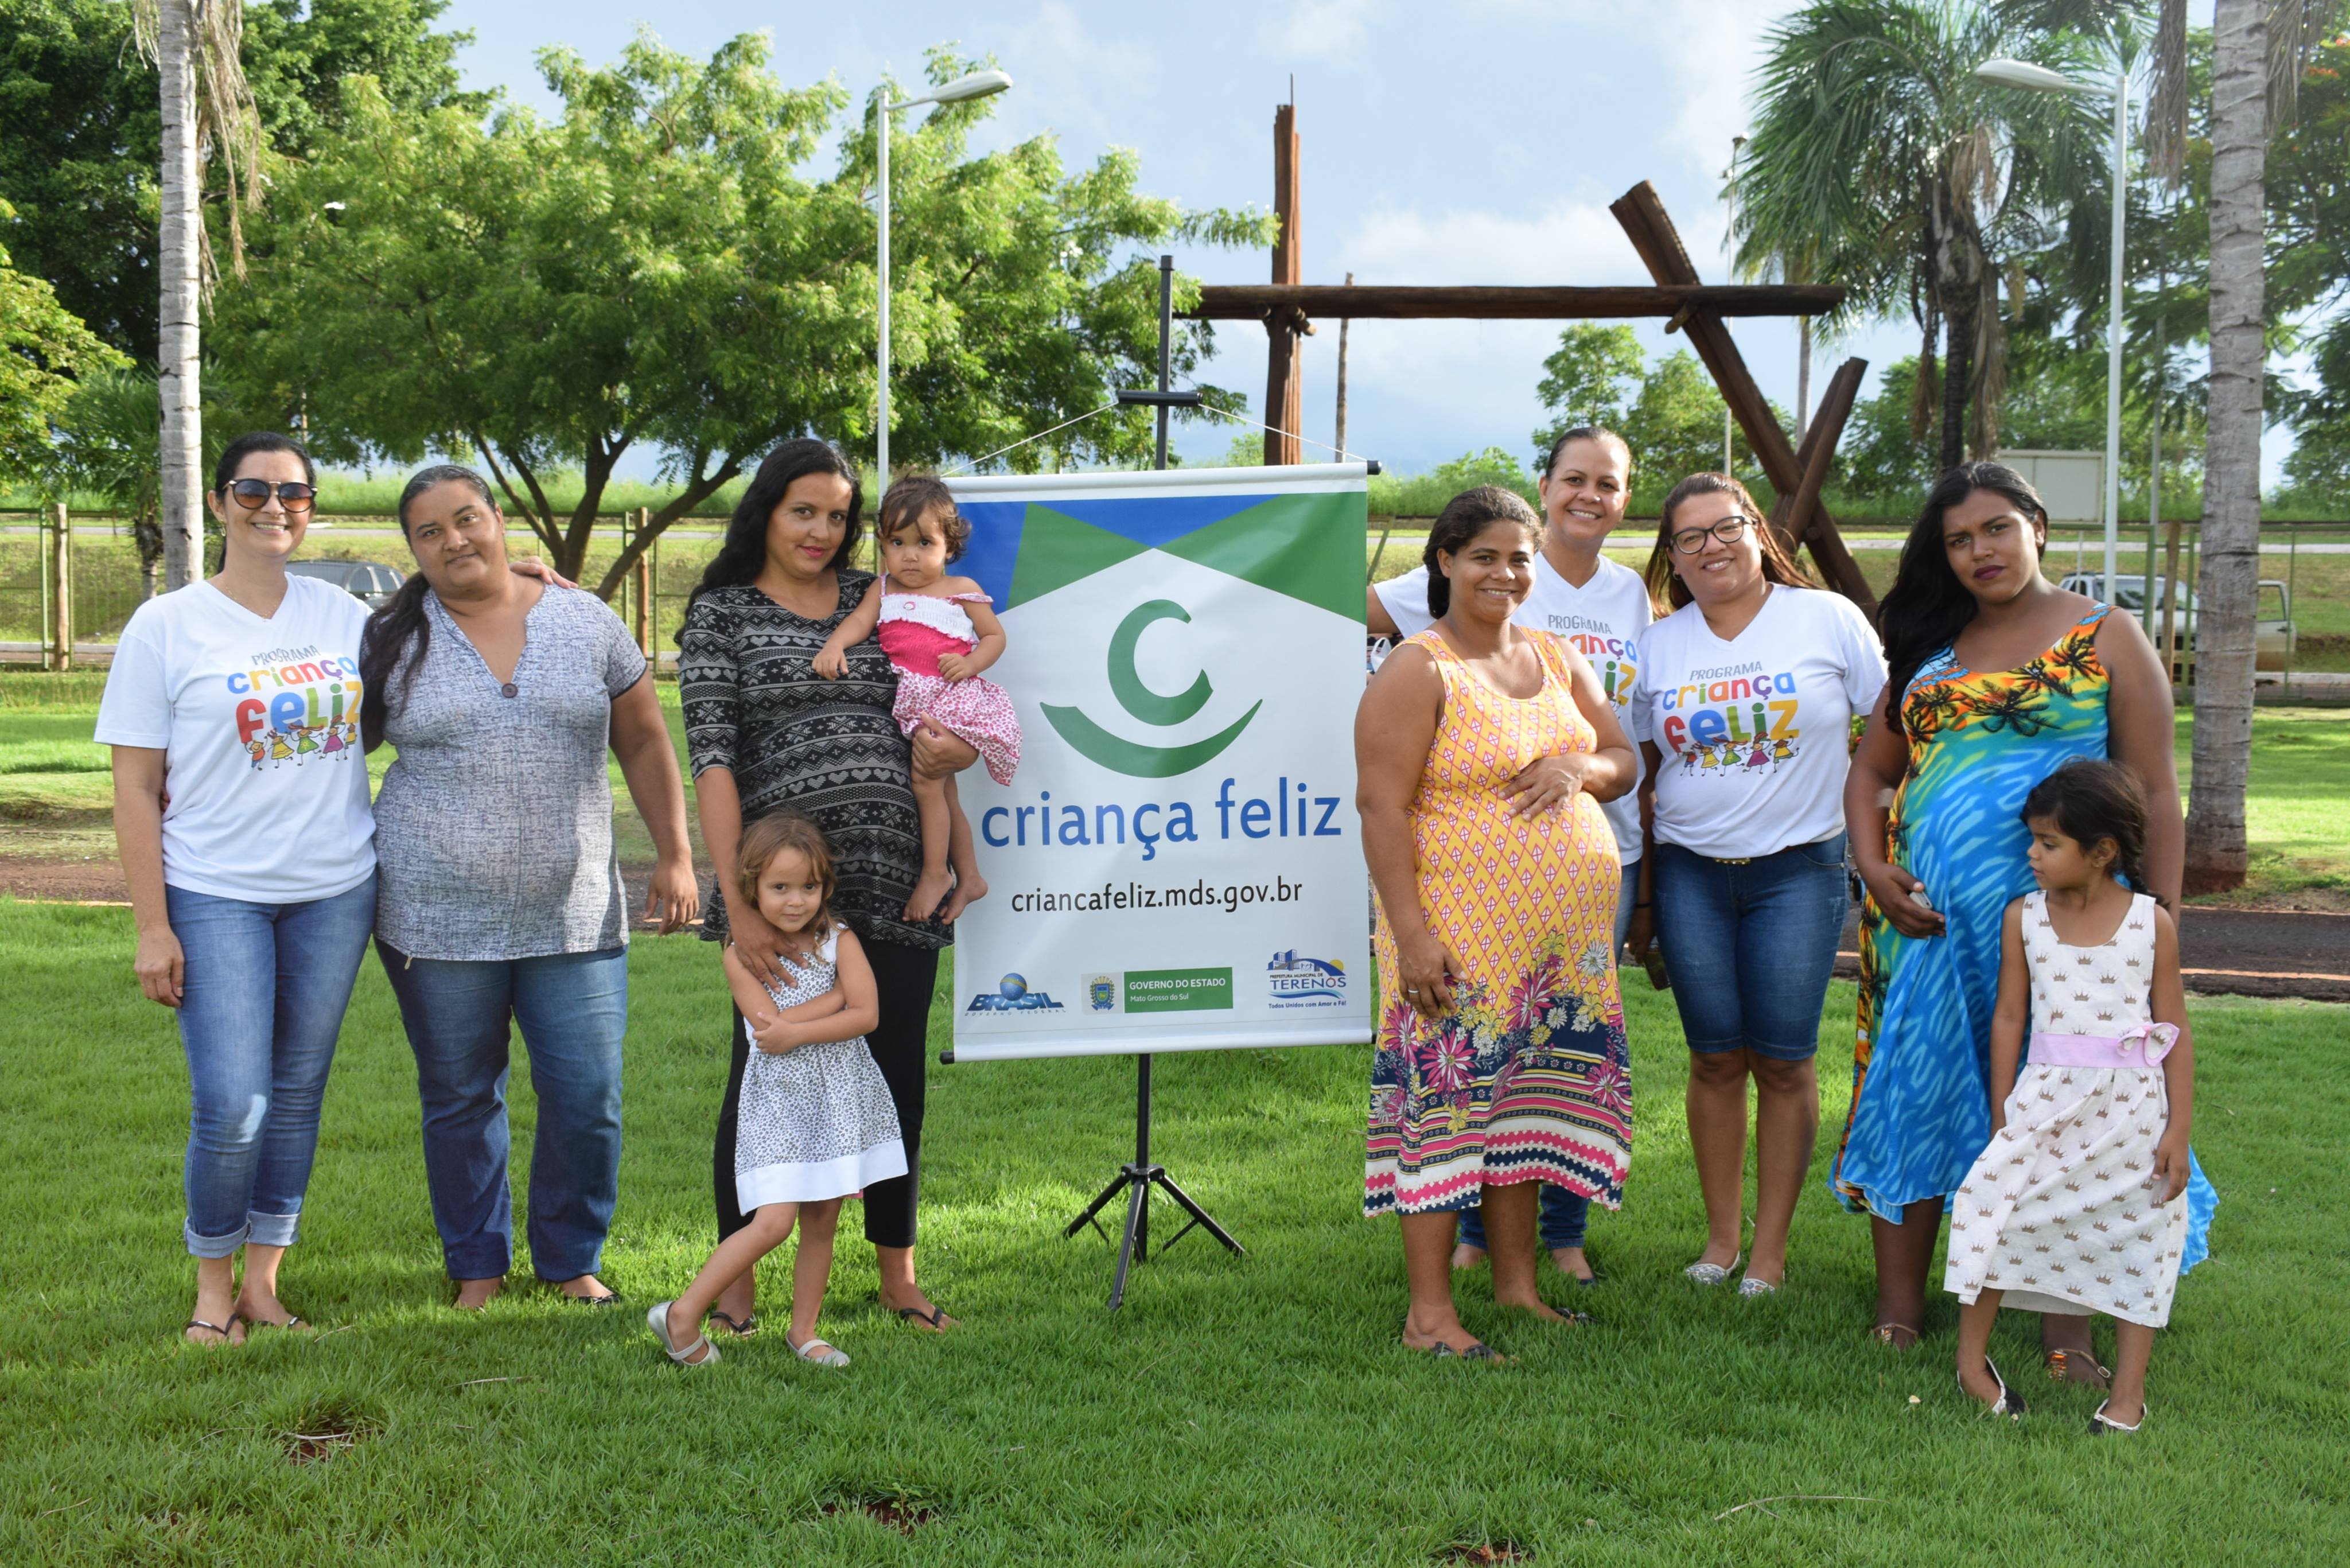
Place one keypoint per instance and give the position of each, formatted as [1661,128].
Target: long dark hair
[397,636]
[2090,798]
[1666,588]
[1926,607]
[1464,517]
[744,552]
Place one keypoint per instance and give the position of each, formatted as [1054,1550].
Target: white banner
[1177,865]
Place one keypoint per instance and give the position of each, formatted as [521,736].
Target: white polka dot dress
[2060,1212]
[815,1121]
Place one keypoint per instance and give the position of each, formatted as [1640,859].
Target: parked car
[371,582]
[2273,638]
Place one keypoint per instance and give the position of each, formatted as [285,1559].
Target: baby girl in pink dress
[939,633]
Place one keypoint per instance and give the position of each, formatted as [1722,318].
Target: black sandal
[234,1320]
[936,1317]
[743,1330]
[291,1321]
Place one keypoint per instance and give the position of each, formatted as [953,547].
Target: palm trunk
[2232,479]
[1958,370]
[178,376]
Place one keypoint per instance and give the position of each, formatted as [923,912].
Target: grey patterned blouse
[493,828]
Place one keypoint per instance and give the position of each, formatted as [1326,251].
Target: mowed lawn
[1253,1410]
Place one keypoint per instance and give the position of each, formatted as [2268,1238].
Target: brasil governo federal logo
[1303,546]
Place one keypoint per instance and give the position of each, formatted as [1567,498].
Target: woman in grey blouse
[499,899]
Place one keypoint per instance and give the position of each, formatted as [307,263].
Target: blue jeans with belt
[1564,1215]
[460,1016]
[262,1000]
[1751,944]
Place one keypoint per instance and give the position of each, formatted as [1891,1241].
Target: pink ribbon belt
[2143,1045]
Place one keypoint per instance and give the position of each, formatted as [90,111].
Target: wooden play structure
[1288,307]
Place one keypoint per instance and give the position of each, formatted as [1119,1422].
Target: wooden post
[642,572]
[1284,376]
[1339,440]
[61,584]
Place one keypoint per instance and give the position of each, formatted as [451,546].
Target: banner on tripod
[1177,865]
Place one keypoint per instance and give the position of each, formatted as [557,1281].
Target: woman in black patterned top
[764,731]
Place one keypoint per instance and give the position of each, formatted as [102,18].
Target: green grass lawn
[1250,1410]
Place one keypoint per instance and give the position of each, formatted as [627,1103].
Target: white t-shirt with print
[258,722]
[1756,733]
[1604,617]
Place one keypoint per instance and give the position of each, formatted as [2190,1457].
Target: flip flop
[2059,1364]
[936,1317]
[1883,1334]
[234,1320]
[743,1330]
[291,1321]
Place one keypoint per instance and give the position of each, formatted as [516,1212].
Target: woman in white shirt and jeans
[1745,705]
[252,884]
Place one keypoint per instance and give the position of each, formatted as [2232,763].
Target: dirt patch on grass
[905,1515]
[80,881]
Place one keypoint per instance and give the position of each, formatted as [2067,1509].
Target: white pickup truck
[2273,633]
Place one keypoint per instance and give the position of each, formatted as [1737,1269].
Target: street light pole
[978,84]
[2040,79]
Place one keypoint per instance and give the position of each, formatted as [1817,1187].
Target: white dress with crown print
[2060,1212]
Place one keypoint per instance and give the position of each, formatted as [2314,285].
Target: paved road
[2238,952]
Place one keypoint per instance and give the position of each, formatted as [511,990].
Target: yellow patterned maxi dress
[1527,1078]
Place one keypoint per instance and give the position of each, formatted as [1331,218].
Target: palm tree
[1879,160]
[208,114]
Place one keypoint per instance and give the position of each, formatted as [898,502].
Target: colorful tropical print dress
[1528,1077]
[1979,741]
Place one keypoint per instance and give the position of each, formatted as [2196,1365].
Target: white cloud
[1324,29]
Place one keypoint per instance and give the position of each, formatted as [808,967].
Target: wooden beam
[1285,370]
[1645,224]
[1798,514]
[1250,302]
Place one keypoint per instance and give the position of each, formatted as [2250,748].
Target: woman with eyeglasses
[1745,705]
[241,815]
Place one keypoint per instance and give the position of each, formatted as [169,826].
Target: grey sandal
[657,1321]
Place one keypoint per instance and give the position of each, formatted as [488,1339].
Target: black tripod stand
[1141,1176]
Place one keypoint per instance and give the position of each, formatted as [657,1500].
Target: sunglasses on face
[252,495]
[1689,541]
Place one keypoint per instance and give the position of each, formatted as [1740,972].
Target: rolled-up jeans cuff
[273,1229]
[215,1246]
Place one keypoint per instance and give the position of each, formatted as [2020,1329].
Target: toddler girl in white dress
[2074,1207]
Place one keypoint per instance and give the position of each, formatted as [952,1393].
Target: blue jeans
[1565,1214]
[260,1001]
[1751,945]
[460,1016]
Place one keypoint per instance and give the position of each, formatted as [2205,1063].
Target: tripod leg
[1200,1216]
[1086,1219]
[1135,1208]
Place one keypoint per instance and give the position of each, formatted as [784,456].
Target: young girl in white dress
[815,1121]
[2074,1207]
[939,633]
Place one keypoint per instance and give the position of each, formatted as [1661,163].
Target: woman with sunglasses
[241,815]
[1745,705]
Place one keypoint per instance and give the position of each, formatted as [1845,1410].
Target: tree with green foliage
[655,268]
[81,141]
[1590,380]
[45,351]
[2309,263]
[1880,159]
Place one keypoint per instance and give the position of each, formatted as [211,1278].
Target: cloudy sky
[1474,141]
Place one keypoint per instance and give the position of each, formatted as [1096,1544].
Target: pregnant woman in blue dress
[1998,677]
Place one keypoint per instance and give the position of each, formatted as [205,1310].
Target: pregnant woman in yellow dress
[1483,749]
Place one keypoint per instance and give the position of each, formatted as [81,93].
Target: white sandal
[818,1351]
[657,1321]
[1713,1273]
[2102,1424]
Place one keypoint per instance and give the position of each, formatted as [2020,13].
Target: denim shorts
[1751,945]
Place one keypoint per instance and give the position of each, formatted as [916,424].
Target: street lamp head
[979,84]
[2024,74]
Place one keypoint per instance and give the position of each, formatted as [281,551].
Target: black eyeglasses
[252,495]
[1689,541]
